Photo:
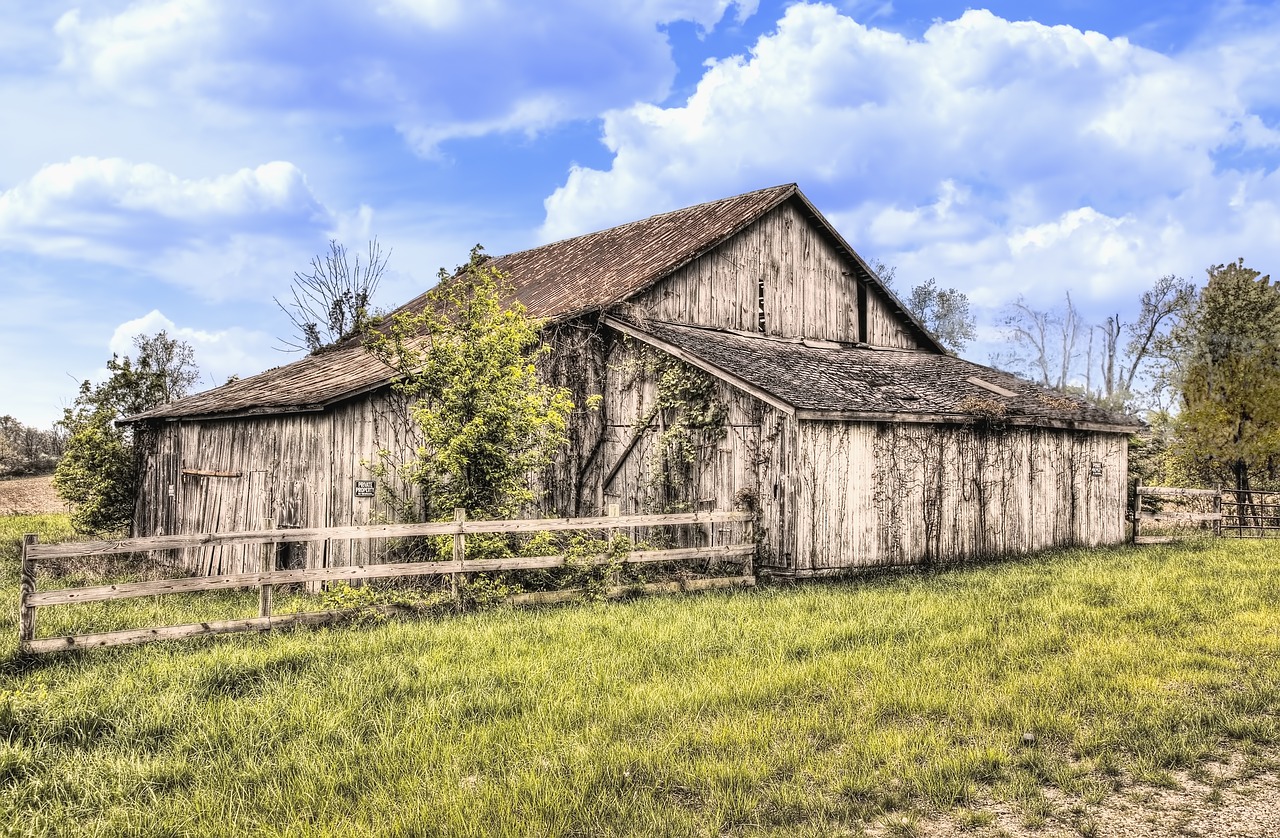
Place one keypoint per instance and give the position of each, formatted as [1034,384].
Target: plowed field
[29,496]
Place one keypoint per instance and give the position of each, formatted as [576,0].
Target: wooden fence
[1218,512]
[29,599]
[1175,519]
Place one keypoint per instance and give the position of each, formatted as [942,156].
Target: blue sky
[171,163]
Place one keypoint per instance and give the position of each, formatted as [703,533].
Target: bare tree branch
[332,300]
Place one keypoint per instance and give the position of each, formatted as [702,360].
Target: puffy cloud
[220,235]
[218,354]
[999,156]
[437,69]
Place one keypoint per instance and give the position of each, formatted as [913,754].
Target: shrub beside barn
[745,355]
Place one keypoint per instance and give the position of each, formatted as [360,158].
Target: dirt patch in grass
[30,496]
[1237,796]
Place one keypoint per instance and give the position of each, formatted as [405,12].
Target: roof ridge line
[791,187]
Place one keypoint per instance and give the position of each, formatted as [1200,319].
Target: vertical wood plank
[27,587]
[268,564]
[615,509]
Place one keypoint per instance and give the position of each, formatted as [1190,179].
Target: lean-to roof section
[820,380]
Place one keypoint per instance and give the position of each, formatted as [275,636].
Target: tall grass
[805,710]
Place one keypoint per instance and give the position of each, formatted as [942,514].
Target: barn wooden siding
[807,287]
[616,458]
[843,494]
[872,494]
[225,475]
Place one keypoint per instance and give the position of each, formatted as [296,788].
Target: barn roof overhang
[823,381]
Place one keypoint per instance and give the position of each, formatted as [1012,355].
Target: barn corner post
[268,565]
[26,588]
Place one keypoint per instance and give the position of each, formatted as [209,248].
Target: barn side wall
[784,261]
[870,494]
[299,469]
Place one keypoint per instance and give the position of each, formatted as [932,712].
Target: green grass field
[806,710]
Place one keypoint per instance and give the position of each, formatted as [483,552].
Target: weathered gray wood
[130,590]
[891,494]
[459,555]
[1181,516]
[1170,492]
[169,542]
[267,566]
[129,637]
[27,589]
[313,618]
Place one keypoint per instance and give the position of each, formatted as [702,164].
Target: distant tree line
[26,450]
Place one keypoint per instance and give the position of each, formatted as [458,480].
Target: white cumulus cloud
[437,69]
[219,235]
[1001,157]
[219,354]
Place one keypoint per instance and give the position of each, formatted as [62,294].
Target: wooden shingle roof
[555,281]
[822,380]
[597,270]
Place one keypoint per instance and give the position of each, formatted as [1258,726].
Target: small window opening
[760,306]
[862,313]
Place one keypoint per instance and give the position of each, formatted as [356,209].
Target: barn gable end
[785,275]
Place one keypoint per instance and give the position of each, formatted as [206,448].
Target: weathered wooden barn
[746,355]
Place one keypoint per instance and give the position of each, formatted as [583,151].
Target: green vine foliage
[692,420]
[466,363]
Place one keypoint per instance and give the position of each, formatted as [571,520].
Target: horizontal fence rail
[268,577]
[1210,520]
[1225,513]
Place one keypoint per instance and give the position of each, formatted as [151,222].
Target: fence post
[267,565]
[750,567]
[27,587]
[459,553]
[615,576]
[1217,510]
[1137,511]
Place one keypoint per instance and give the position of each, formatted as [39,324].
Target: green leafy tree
[98,472]
[945,313]
[466,364]
[1228,365]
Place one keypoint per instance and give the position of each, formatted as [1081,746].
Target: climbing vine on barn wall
[689,417]
[979,487]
